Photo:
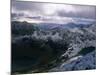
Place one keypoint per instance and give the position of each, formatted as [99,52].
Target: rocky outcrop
[78,63]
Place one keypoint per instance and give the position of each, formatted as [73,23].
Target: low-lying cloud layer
[37,12]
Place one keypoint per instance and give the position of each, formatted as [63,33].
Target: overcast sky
[51,13]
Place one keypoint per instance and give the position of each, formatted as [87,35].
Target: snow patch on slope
[81,63]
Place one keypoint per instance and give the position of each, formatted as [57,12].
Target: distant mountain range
[50,26]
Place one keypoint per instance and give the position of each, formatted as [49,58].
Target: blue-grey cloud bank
[38,12]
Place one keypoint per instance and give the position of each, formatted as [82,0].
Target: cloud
[80,11]
[26,6]
[47,12]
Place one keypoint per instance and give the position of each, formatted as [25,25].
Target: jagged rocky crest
[55,49]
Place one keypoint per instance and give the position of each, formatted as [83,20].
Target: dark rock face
[86,50]
[30,51]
